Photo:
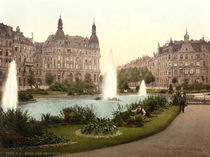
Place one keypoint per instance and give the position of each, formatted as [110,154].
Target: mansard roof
[72,41]
[177,45]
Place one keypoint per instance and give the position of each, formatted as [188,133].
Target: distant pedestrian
[182,102]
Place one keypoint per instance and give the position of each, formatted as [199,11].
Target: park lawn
[158,123]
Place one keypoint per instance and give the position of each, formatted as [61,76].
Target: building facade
[15,46]
[68,57]
[185,59]
[65,57]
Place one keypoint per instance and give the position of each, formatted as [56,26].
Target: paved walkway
[187,136]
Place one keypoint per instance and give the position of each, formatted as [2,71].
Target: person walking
[182,102]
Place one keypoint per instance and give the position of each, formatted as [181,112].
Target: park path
[187,136]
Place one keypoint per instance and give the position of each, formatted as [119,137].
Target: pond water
[100,107]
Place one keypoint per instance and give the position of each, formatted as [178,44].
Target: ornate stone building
[188,59]
[65,57]
[14,45]
[37,63]
[68,57]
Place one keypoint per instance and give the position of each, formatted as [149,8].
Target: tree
[49,78]
[31,80]
[149,78]
[185,84]
[174,80]
[88,85]
[101,78]
[170,90]
[123,85]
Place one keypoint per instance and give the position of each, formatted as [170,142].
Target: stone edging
[78,133]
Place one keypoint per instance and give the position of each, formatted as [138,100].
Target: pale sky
[131,28]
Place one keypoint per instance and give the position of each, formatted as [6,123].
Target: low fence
[198,101]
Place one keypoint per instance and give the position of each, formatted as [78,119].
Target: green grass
[158,123]
[163,91]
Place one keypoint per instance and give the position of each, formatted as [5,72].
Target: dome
[93,38]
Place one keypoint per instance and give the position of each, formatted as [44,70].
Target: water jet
[10,97]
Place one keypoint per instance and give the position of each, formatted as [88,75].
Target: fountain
[142,89]
[110,80]
[10,98]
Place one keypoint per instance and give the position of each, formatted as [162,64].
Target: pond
[100,107]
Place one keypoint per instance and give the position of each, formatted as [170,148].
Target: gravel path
[187,136]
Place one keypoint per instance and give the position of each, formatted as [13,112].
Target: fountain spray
[110,80]
[10,97]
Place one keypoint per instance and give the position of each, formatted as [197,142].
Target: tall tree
[31,80]
[49,78]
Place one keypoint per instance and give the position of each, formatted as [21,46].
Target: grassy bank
[158,123]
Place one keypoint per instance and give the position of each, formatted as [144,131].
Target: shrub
[98,98]
[163,91]
[78,115]
[135,120]
[37,91]
[150,105]
[127,118]
[46,138]
[56,86]
[17,128]
[12,139]
[47,119]
[161,101]
[100,127]
[25,96]
[170,89]
[175,98]
[121,118]
[21,123]
[153,103]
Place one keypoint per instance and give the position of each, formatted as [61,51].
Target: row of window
[25,59]
[187,64]
[182,71]
[87,60]
[181,56]
[23,49]
[80,44]
[187,71]
[70,51]
[71,66]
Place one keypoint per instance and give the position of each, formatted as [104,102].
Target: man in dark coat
[182,102]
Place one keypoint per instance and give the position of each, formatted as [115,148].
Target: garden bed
[157,124]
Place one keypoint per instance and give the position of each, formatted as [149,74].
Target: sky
[131,28]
